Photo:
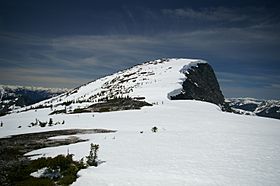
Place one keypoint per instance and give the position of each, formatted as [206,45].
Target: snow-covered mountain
[195,144]
[251,106]
[154,82]
[14,97]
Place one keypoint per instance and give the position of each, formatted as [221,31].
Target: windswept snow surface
[196,143]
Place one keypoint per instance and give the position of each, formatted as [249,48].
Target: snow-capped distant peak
[265,108]
[32,88]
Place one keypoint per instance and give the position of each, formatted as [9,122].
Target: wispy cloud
[42,76]
[255,92]
[274,85]
[105,54]
[250,77]
[210,14]
[242,85]
[248,15]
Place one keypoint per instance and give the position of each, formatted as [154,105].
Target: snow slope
[154,80]
[196,143]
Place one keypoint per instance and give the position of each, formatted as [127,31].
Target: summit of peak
[155,81]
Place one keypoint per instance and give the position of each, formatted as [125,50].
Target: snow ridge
[154,80]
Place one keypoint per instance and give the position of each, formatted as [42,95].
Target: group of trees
[44,124]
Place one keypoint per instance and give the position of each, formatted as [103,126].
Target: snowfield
[196,143]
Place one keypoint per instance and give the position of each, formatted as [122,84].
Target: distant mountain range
[251,106]
[13,97]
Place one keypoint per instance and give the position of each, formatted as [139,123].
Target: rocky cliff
[201,84]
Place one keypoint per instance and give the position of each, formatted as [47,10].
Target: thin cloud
[255,92]
[41,77]
[222,80]
[221,14]
[210,14]
[246,85]
[260,77]
[274,85]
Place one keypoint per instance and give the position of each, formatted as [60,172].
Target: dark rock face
[201,84]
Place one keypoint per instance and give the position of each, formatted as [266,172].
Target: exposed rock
[201,84]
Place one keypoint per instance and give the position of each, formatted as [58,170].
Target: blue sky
[65,43]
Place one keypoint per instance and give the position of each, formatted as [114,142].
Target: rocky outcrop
[201,84]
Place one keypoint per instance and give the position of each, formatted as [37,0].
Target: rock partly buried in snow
[201,84]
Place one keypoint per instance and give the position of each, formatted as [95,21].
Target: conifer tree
[92,157]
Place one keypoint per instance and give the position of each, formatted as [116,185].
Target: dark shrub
[154,129]
[92,157]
